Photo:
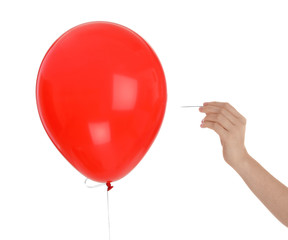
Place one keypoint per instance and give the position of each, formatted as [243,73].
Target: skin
[230,125]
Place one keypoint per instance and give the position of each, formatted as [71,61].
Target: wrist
[243,164]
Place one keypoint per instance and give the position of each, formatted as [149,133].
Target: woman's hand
[230,125]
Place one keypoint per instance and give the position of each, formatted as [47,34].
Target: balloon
[101,96]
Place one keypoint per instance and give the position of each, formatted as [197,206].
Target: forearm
[272,193]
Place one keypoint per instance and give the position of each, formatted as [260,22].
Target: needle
[190,106]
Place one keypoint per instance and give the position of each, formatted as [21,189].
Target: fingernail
[202,121]
[202,125]
[205,103]
[200,109]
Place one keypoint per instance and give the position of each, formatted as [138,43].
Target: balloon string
[108,212]
[93,186]
[109,187]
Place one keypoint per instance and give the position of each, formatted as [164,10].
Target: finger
[216,127]
[220,119]
[219,110]
[225,105]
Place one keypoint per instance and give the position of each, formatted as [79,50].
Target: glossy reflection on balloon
[100,132]
[124,92]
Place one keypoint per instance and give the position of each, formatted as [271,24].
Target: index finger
[225,105]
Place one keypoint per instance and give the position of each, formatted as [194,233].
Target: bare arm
[230,126]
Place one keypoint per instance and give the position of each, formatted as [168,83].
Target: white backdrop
[234,51]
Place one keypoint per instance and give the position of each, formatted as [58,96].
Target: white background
[234,51]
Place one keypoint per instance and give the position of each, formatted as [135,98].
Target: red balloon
[101,96]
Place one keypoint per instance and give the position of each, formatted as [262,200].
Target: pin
[190,106]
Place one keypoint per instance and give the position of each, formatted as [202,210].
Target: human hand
[230,125]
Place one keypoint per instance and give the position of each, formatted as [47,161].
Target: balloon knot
[109,187]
